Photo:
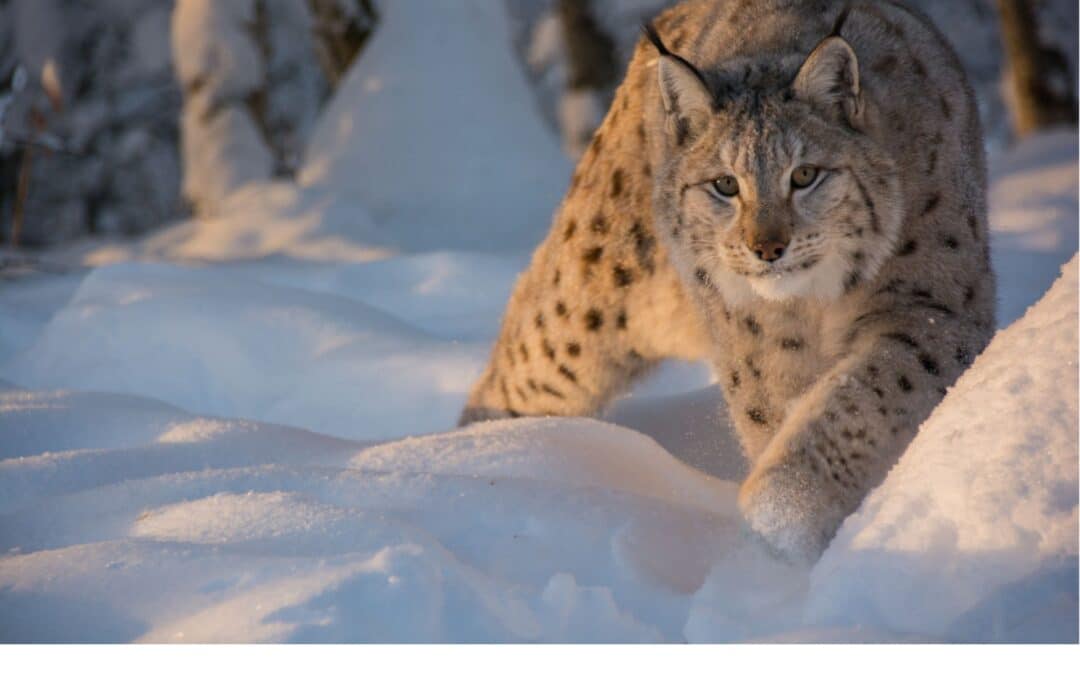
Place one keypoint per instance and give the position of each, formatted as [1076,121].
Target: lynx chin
[793,190]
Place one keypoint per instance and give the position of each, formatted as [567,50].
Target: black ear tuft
[838,25]
[650,33]
[686,97]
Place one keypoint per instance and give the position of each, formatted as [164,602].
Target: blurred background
[118,116]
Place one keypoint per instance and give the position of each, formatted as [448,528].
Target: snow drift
[127,519]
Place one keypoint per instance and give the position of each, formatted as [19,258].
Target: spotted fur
[830,355]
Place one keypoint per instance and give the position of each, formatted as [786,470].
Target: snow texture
[244,432]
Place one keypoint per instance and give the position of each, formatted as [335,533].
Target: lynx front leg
[843,436]
[598,305]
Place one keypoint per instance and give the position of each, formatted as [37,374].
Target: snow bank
[973,535]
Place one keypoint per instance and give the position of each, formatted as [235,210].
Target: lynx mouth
[806,277]
[786,269]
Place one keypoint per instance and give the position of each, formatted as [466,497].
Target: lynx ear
[830,79]
[687,101]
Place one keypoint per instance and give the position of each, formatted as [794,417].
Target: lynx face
[777,193]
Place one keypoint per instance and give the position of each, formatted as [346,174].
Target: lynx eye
[726,186]
[803,177]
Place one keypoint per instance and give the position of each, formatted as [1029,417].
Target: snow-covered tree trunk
[221,70]
[252,90]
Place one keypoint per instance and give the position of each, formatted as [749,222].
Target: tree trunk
[591,52]
[591,70]
[1040,92]
[342,28]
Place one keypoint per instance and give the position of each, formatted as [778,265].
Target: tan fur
[830,356]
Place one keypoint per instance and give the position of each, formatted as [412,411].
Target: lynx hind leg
[597,306]
[579,329]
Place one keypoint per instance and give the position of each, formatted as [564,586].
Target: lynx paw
[793,510]
[472,415]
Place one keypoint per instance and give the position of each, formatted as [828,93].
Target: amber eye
[803,177]
[726,185]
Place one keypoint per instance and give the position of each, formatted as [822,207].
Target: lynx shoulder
[794,191]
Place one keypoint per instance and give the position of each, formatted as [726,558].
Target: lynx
[795,191]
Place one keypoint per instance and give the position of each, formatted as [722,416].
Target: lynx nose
[768,250]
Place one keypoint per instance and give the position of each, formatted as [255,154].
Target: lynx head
[772,187]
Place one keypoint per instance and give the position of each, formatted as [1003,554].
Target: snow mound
[973,535]
[223,343]
[515,531]
[617,458]
[436,131]
[235,518]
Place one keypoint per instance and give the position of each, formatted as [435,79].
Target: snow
[241,428]
[307,225]
[218,63]
[334,364]
[328,541]
[443,139]
[252,91]
[231,72]
[973,535]
[1033,218]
